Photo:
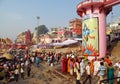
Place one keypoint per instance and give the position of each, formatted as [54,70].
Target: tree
[42,29]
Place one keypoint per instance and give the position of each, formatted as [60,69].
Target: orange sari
[92,67]
[68,65]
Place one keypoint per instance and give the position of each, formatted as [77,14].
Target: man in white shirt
[82,67]
[78,76]
[32,59]
[88,74]
[117,66]
[96,66]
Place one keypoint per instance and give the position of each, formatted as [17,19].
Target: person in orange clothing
[68,65]
[108,60]
[92,67]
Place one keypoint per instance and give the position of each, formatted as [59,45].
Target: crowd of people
[20,66]
[16,68]
[77,66]
[103,68]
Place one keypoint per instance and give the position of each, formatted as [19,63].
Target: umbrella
[8,56]
[3,51]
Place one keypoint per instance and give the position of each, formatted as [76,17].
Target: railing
[106,81]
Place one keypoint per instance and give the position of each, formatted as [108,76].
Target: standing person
[110,73]
[22,72]
[6,74]
[88,74]
[76,66]
[118,75]
[68,64]
[16,74]
[96,66]
[28,70]
[27,62]
[82,67]
[105,62]
[64,65]
[101,71]
[32,59]
[108,60]
[71,67]
[37,61]
[78,76]
[92,67]
[117,67]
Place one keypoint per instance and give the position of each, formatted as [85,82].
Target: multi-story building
[49,38]
[55,29]
[61,32]
[115,25]
[113,30]
[75,26]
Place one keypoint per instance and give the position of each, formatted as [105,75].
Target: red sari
[64,65]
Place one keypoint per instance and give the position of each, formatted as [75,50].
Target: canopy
[56,44]
[43,45]
[8,56]
[66,42]
[69,41]
[78,39]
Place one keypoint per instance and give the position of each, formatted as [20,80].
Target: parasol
[8,56]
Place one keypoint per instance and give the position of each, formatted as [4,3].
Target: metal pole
[37,27]
[112,17]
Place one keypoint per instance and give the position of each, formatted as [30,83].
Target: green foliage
[42,29]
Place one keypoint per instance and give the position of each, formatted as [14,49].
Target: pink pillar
[102,29]
[92,9]
[102,34]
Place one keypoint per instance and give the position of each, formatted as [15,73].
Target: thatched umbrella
[8,56]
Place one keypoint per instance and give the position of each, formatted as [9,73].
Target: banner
[90,45]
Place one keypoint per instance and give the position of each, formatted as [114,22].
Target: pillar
[101,15]
[102,34]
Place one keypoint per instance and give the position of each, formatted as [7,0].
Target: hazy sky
[20,15]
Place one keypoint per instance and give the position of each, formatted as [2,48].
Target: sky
[20,15]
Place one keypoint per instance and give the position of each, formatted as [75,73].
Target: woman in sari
[110,73]
[68,65]
[92,67]
[64,65]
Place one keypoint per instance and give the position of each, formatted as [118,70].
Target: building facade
[75,26]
